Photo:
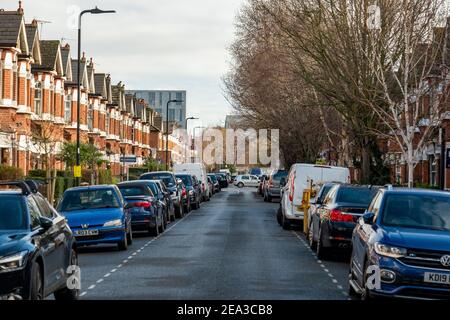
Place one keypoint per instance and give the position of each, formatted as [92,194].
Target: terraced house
[38,106]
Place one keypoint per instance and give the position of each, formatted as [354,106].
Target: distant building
[157,99]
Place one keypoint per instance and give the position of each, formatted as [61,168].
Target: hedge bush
[9,173]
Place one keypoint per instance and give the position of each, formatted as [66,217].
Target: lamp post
[167,130]
[91,11]
[201,140]
[187,133]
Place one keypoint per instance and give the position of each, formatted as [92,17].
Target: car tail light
[203,187]
[270,182]
[183,192]
[144,204]
[337,216]
[291,191]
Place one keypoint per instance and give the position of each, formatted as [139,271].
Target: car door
[53,242]
[254,181]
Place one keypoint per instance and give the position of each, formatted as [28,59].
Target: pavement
[232,248]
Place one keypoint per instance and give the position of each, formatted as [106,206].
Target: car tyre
[130,237]
[269,198]
[312,243]
[365,294]
[67,294]
[322,252]
[123,245]
[285,223]
[279,214]
[37,284]
[240,185]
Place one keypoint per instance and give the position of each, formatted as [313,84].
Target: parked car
[262,181]
[157,188]
[299,178]
[147,213]
[215,181]
[198,170]
[332,224]
[246,181]
[223,181]
[405,234]
[170,182]
[166,196]
[36,246]
[316,203]
[272,190]
[255,172]
[185,199]
[97,215]
[211,187]
[192,190]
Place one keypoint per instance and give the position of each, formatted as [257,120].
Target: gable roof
[12,31]
[50,57]
[33,41]
[100,84]
[84,79]
[66,61]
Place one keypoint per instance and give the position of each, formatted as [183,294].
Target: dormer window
[68,108]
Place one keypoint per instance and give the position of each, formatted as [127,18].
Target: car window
[167,178]
[89,199]
[44,206]
[187,180]
[361,196]
[13,214]
[330,196]
[279,174]
[417,211]
[375,205]
[244,178]
[130,191]
[34,213]
[324,193]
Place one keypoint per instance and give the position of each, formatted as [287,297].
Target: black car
[215,182]
[223,181]
[192,190]
[164,196]
[272,188]
[147,213]
[174,189]
[331,225]
[36,246]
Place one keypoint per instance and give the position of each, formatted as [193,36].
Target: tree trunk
[410,165]
[365,161]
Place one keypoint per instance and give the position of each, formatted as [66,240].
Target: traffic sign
[131,159]
[77,171]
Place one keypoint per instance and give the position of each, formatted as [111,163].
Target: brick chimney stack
[20,9]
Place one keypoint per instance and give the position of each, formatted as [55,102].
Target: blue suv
[401,246]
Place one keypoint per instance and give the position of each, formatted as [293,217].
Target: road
[232,248]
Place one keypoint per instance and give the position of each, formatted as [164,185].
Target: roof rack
[26,190]
[389,186]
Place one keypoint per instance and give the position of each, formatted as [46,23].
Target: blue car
[401,246]
[97,215]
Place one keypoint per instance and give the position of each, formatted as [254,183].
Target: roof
[31,30]
[49,55]
[10,27]
[100,84]
[418,191]
[66,62]
[88,188]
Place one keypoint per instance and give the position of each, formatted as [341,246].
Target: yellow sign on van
[77,171]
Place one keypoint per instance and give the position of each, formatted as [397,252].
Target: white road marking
[91,287]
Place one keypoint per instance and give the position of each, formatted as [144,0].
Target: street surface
[232,248]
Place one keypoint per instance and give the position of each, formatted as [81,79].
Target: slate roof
[10,22]
[65,58]
[75,70]
[129,102]
[31,30]
[100,84]
[49,54]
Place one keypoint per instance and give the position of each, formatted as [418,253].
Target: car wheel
[37,286]
[123,245]
[269,198]
[130,237]
[279,213]
[154,231]
[322,252]
[265,198]
[312,243]
[351,290]
[66,293]
[365,294]
[285,223]
[240,185]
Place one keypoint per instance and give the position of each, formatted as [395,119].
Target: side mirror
[127,205]
[282,182]
[45,223]
[368,218]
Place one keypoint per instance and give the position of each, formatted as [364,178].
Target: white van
[198,170]
[299,179]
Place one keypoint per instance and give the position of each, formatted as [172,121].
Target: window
[46,211]
[433,170]
[131,191]
[245,178]
[34,213]
[38,98]
[90,117]
[89,199]
[12,213]
[151,98]
[107,122]
[68,108]
[376,204]
[171,114]
[179,98]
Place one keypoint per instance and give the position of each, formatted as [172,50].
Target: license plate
[86,233]
[441,278]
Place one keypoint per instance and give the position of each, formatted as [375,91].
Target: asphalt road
[232,248]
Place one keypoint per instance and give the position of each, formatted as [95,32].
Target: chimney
[20,9]
[34,23]
[83,58]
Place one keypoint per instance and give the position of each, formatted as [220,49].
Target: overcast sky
[152,44]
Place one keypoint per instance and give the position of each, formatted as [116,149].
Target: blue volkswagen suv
[401,246]
[97,215]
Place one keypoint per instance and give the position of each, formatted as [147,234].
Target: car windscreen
[164,177]
[187,180]
[136,190]
[279,174]
[88,199]
[360,196]
[417,211]
[213,178]
[325,190]
[13,214]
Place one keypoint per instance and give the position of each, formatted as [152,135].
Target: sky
[153,44]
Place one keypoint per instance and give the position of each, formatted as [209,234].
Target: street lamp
[190,118]
[167,131]
[187,133]
[201,140]
[91,11]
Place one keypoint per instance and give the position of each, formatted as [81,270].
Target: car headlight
[113,223]
[389,251]
[13,262]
